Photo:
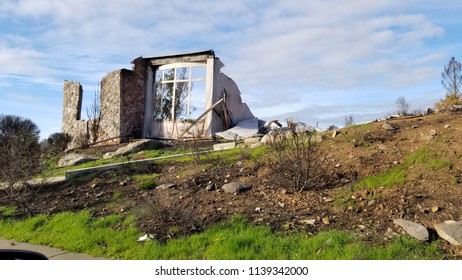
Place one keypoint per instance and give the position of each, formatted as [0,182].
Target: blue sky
[315,60]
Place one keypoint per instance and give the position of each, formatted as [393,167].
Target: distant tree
[451,79]
[349,121]
[56,143]
[332,127]
[20,158]
[403,106]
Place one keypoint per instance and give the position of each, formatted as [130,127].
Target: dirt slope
[418,159]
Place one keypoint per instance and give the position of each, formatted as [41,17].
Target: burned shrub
[56,143]
[296,157]
[166,220]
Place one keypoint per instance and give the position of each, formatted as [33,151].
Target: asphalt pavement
[50,252]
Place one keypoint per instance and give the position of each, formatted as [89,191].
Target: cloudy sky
[317,61]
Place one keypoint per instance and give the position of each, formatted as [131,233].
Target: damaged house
[167,97]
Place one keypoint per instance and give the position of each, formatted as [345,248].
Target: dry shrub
[56,143]
[166,219]
[297,158]
[448,101]
[19,159]
[82,140]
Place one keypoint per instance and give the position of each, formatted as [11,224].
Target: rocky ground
[194,197]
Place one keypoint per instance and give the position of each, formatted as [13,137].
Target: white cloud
[287,52]
[14,60]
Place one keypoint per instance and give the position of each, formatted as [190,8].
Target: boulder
[388,126]
[234,187]
[450,231]
[145,144]
[415,230]
[267,139]
[252,140]
[74,159]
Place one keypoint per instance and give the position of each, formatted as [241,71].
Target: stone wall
[111,87]
[132,102]
[72,108]
[122,104]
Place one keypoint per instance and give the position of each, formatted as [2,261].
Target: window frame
[175,81]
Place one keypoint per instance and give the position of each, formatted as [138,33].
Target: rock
[300,127]
[234,187]
[388,126]
[430,135]
[74,159]
[311,222]
[146,237]
[145,144]
[258,209]
[256,145]
[455,108]
[435,209]
[166,186]
[326,220]
[382,147]
[268,138]
[430,111]
[415,230]
[210,187]
[447,126]
[334,133]
[281,204]
[252,140]
[395,116]
[450,231]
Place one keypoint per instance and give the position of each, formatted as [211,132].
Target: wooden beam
[200,117]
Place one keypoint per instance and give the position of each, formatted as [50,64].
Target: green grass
[145,176]
[53,170]
[147,185]
[392,177]
[7,211]
[115,237]
[424,159]
[429,158]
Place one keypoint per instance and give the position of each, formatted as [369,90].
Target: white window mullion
[189,92]
[162,87]
[173,94]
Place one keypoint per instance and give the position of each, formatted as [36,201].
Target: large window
[179,91]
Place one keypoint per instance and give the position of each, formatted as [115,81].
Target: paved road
[51,253]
